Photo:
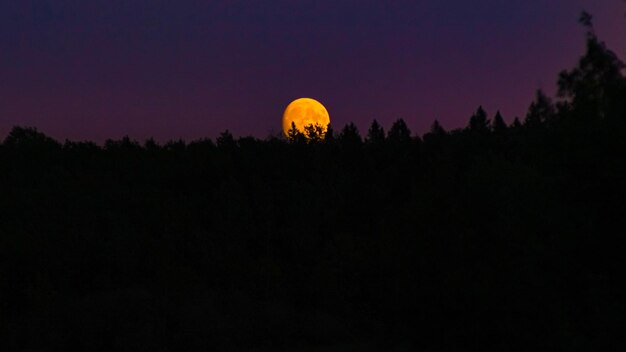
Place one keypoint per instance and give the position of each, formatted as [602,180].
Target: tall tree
[498,125]
[478,121]
[540,111]
[436,129]
[329,136]
[516,123]
[399,133]
[436,133]
[376,134]
[294,135]
[596,87]
[350,136]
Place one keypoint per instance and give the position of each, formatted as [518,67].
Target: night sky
[174,69]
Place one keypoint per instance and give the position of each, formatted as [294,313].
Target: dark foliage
[376,134]
[498,124]
[487,238]
[541,112]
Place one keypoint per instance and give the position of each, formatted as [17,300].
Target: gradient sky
[97,69]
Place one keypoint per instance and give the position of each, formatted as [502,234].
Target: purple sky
[173,69]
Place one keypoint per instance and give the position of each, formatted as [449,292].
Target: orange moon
[304,112]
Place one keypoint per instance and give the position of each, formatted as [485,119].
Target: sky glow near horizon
[171,69]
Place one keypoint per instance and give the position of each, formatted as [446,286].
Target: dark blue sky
[102,69]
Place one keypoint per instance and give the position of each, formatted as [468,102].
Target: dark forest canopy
[489,237]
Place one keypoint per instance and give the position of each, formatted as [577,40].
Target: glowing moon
[304,112]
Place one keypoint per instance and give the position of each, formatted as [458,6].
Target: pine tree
[595,89]
[540,111]
[376,134]
[399,133]
[479,121]
[498,124]
[294,135]
[437,130]
[350,136]
[329,136]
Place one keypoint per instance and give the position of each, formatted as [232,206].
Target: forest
[494,236]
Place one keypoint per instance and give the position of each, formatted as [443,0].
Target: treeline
[489,237]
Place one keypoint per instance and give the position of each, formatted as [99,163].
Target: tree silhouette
[586,20]
[375,134]
[516,124]
[436,129]
[483,238]
[314,133]
[436,133]
[294,135]
[151,145]
[478,122]
[594,88]
[498,124]
[540,111]
[124,144]
[226,141]
[349,136]
[399,133]
[29,138]
[329,136]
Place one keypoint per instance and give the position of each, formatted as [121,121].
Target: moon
[304,112]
